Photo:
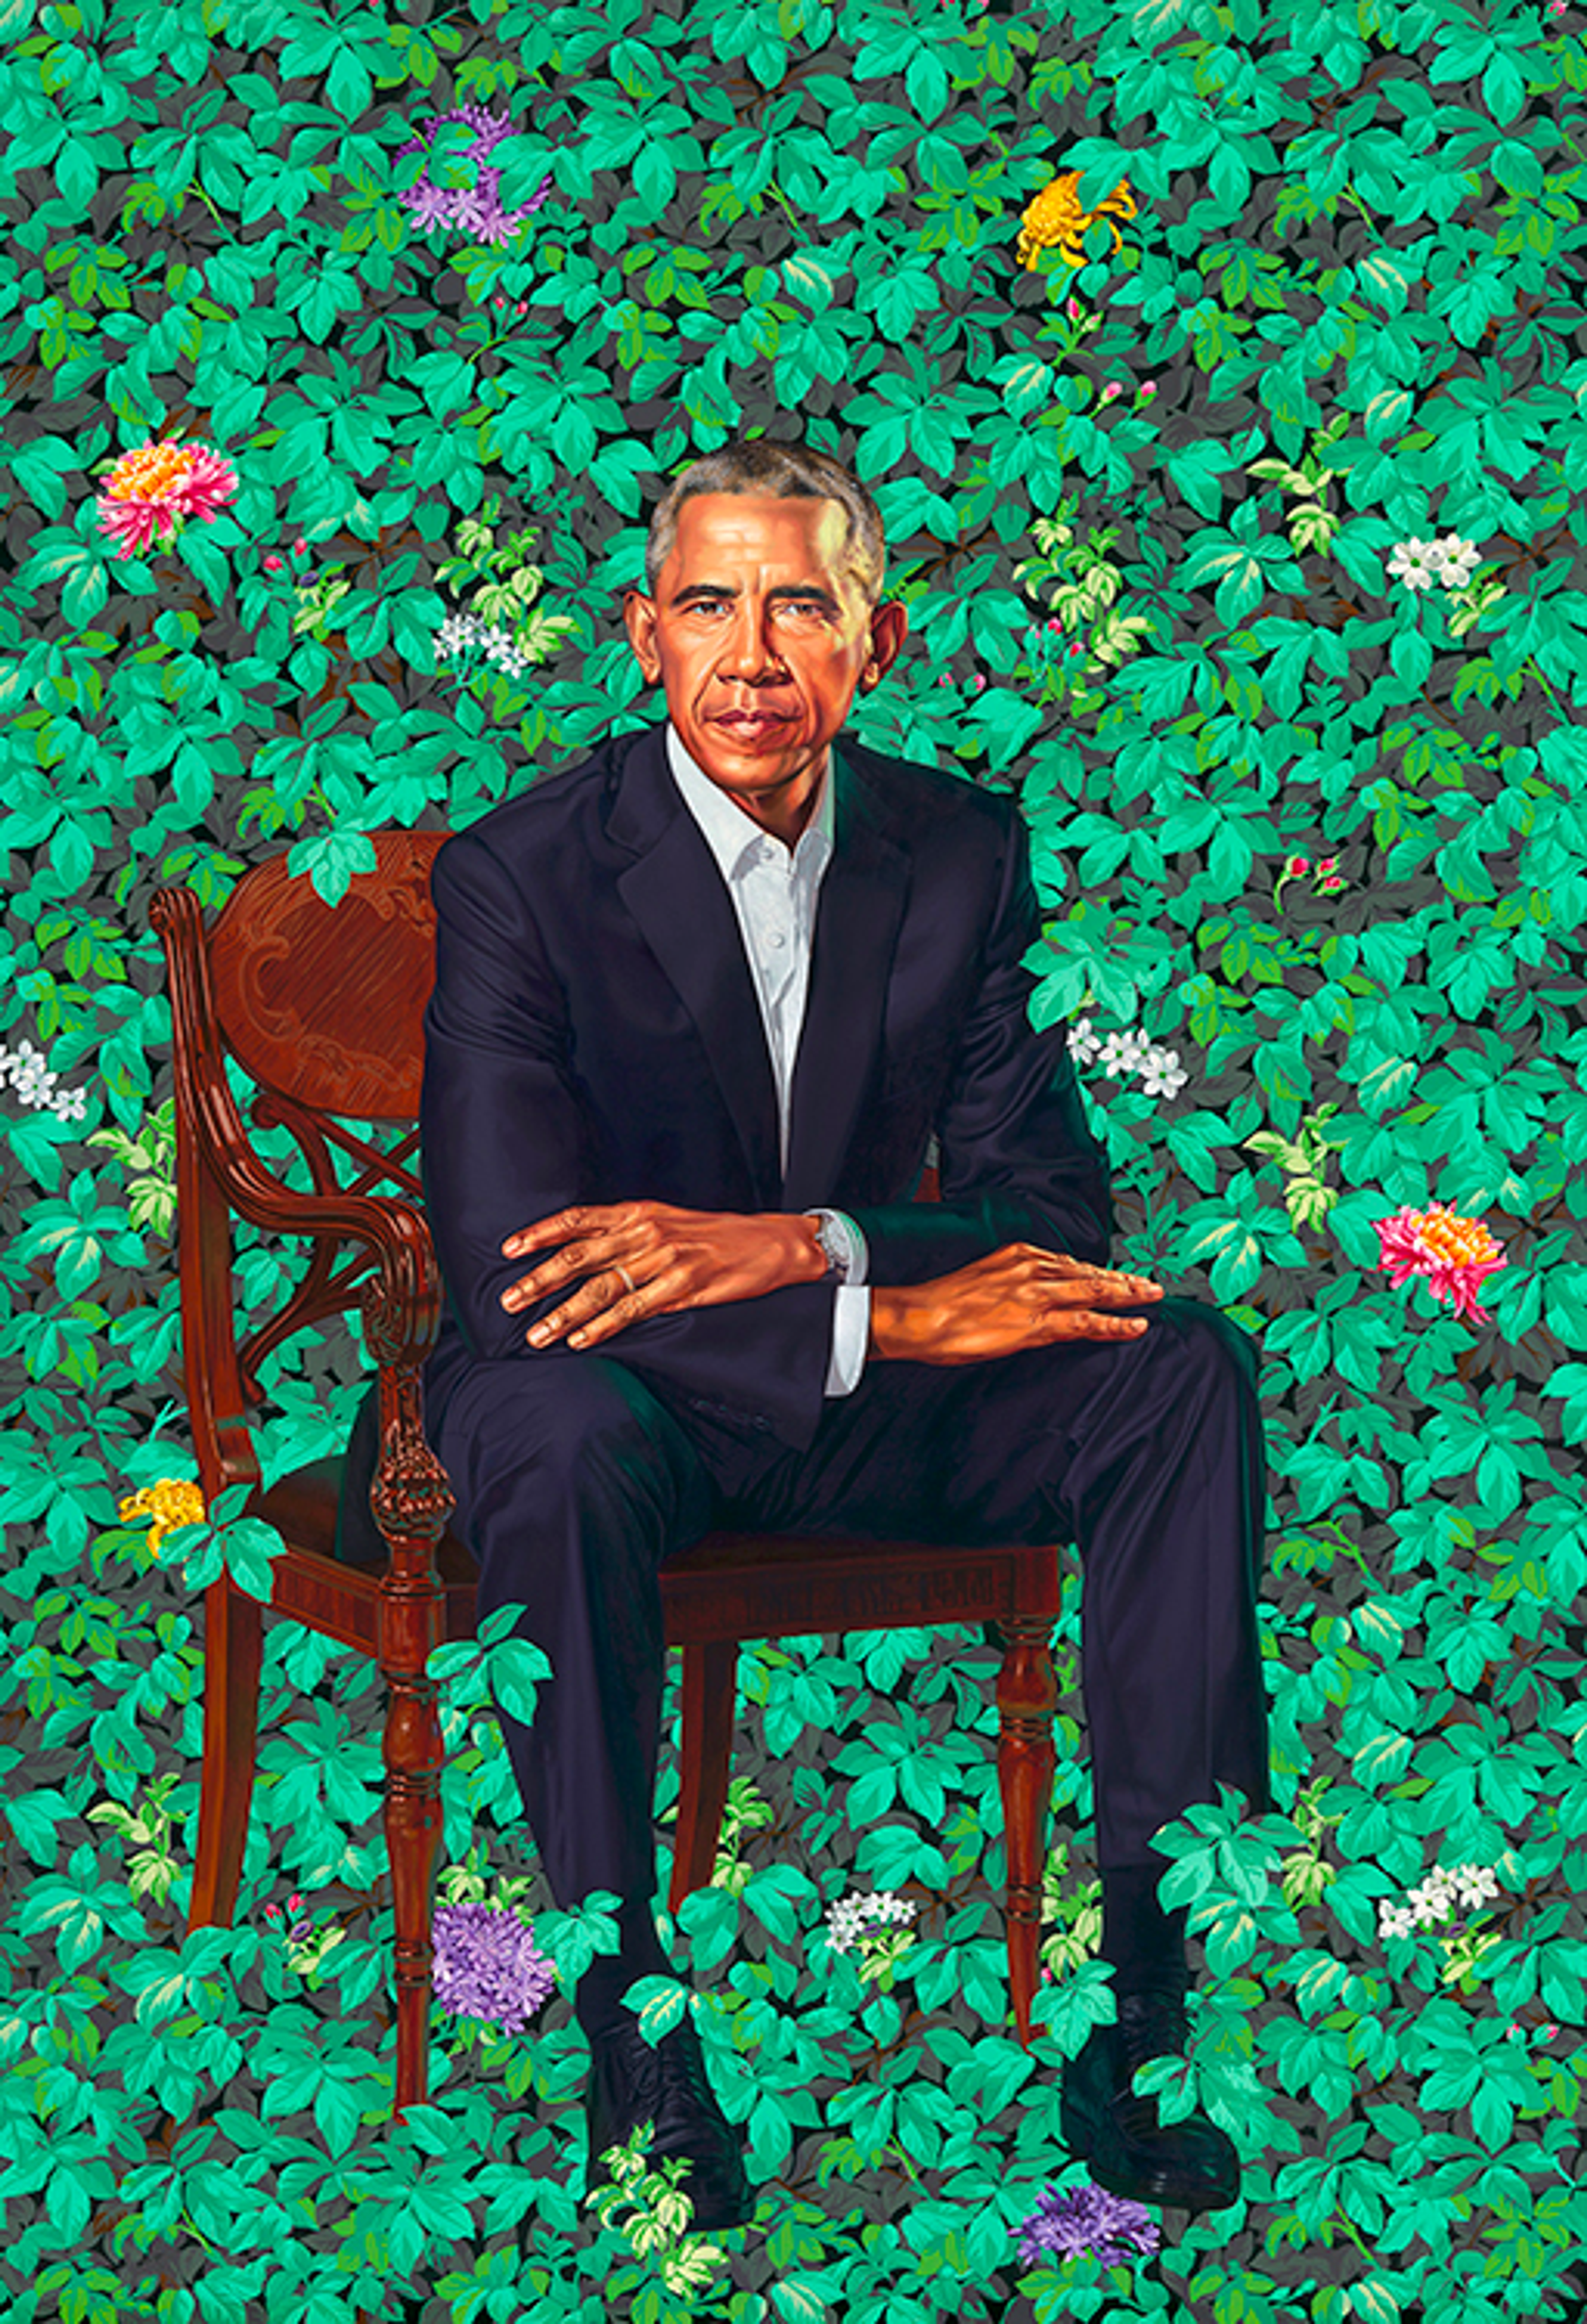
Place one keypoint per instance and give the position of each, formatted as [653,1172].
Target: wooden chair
[321,1007]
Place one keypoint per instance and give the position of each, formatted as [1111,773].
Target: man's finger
[561,1227]
[1066,1288]
[659,1294]
[592,1302]
[575,1258]
[1087,1325]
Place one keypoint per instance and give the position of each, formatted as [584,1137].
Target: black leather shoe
[1190,2164]
[630,2082]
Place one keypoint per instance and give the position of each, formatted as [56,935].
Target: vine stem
[1532,664]
[780,198]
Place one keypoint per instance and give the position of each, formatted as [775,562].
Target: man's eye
[802,605]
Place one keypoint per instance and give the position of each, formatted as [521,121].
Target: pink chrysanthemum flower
[1451,1253]
[153,490]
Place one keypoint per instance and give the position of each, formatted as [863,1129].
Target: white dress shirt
[774,894]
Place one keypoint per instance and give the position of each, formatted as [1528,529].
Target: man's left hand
[638,1259]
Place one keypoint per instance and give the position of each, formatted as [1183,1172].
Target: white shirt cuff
[851,1333]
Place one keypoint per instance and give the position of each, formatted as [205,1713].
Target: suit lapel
[857,917]
[682,909]
[680,904]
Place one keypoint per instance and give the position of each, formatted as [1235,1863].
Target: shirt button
[776,942]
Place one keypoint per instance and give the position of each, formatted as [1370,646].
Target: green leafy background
[1346,313]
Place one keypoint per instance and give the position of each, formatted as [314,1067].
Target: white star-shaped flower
[1412,563]
[1477,1884]
[1123,1053]
[1163,1075]
[1455,560]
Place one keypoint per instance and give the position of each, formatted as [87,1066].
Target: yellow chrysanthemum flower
[1055,215]
[173,1501]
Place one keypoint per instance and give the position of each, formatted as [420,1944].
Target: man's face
[761,640]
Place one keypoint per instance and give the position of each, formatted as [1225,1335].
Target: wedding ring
[623,1272]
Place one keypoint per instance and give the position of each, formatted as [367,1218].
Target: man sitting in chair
[701,1003]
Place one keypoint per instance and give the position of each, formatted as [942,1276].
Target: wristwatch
[840,1242]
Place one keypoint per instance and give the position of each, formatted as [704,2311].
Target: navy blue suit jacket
[593,1036]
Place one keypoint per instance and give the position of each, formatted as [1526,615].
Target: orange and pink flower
[1451,1253]
[152,492]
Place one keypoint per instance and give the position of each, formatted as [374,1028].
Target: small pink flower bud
[946,679]
[979,683]
[1147,388]
[1328,864]
[523,306]
[300,547]
[1054,626]
[1073,311]
[1112,390]
[274,564]
[1331,887]
[1295,865]
[272,1911]
[1077,648]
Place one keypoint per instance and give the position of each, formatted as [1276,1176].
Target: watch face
[833,1243]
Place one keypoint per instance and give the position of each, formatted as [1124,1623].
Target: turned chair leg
[413,1832]
[232,1639]
[1026,1698]
[709,1678]
[410,1501]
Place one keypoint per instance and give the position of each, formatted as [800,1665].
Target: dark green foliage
[1146,511]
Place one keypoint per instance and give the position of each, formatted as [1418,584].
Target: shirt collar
[728,830]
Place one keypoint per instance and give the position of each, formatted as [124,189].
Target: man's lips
[756,722]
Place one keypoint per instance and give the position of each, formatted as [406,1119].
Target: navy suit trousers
[576,1476]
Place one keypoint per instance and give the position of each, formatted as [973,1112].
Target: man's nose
[750,647]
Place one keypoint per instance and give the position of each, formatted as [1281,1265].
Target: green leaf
[516,1669]
[84,592]
[332,861]
[796,2302]
[807,276]
[1070,2008]
[659,2003]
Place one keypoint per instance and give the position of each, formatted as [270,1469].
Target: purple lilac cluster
[487,1965]
[1080,2219]
[475,210]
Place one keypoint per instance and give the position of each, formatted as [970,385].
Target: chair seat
[726,1587]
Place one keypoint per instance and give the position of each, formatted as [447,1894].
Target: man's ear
[889,626]
[639,614]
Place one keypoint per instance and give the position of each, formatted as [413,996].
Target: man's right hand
[1020,1296]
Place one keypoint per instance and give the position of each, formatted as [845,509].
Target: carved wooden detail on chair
[326,1001]
[323,1006]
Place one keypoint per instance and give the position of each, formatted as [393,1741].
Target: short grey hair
[779,471]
